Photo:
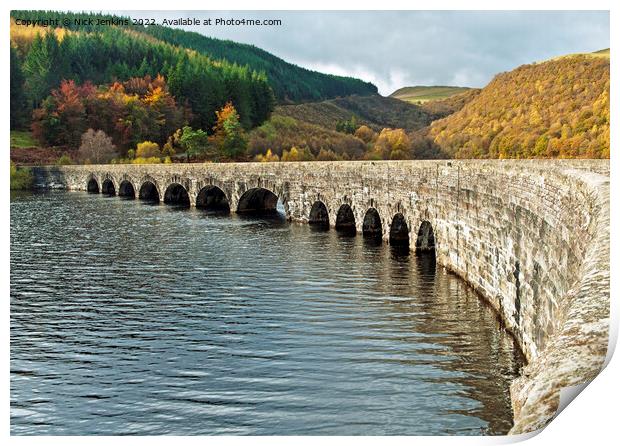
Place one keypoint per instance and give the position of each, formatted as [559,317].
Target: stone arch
[107,187]
[149,191]
[345,219]
[213,198]
[176,194]
[126,189]
[399,231]
[258,200]
[92,185]
[425,241]
[372,227]
[319,216]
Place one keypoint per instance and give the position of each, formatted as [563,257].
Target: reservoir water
[129,318]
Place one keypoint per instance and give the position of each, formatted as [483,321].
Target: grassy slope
[22,140]
[603,54]
[421,94]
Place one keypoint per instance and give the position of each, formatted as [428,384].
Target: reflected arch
[319,217]
[107,187]
[345,220]
[149,192]
[371,226]
[126,190]
[425,241]
[177,195]
[92,186]
[399,231]
[212,198]
[258,201]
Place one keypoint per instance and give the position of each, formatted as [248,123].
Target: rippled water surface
[129,318]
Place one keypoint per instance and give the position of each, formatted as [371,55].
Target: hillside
[281,133]
[557,108]
[421,94]
[440,108]
[353,127]
[41,58]
[290,83]
[375,111]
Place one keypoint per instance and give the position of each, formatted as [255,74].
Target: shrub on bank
[21,177]
[64,160]
[148,149]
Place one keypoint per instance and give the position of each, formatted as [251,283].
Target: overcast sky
[402,48]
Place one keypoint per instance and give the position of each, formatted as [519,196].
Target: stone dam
[532,237]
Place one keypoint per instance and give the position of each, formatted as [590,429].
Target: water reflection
[130,319]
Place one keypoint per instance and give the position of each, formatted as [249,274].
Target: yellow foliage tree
[393,144]
[147,149]
[365,133]
[268,157]
[296,154]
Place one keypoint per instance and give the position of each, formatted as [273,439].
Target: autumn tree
[327,155]
[268,157]
[295,154]
[172,144]
[148,149]
[96,147]
[228,135]
[140,109]
[365,133]
[393,144]
[61,120]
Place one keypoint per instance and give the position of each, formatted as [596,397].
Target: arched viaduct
[532,237]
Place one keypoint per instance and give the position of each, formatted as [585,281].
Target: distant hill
[557,108]
[600,53]
[421,94]
[377,112]
[440,108]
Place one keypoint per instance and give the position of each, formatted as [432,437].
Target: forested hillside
[353,127]
[281,133]
[43,58]
[558,108]
[375,111]
[440,108]
[289,82]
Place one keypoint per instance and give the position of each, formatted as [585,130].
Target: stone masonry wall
[532,237]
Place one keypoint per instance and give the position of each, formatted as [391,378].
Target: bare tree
[97,147]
